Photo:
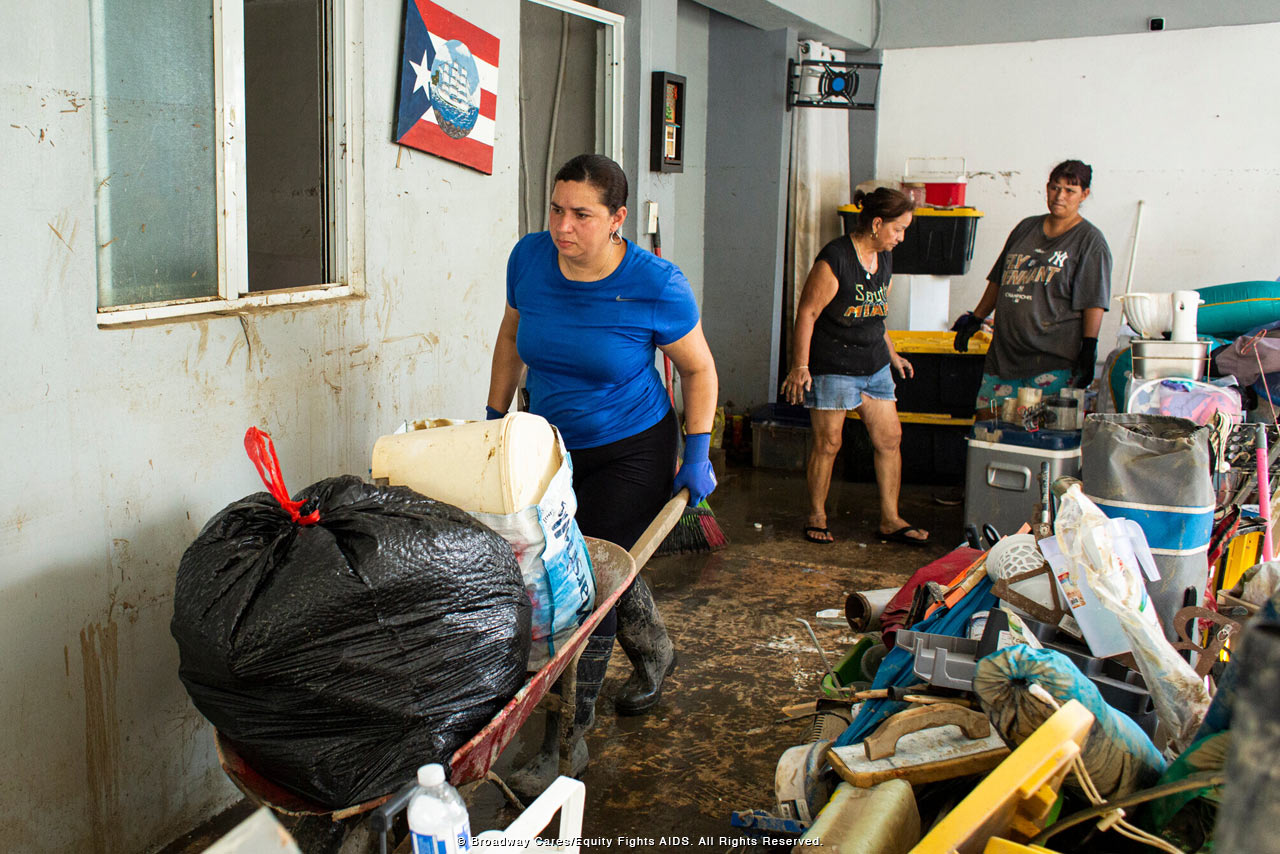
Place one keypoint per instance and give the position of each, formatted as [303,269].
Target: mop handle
[1264,493]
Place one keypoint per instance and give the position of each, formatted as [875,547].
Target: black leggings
[621,487]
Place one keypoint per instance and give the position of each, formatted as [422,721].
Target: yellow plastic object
[928,341]
[924,210]
[1014,799]
[996,845]
[1242,553]
[880,820]
[925,418]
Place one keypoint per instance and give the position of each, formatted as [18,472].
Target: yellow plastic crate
[911,341]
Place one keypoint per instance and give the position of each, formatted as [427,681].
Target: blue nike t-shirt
[590,345]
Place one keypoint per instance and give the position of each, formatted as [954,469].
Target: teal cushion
[1231,310]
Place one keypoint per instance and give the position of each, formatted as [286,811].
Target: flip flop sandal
[900,536]
[812,532]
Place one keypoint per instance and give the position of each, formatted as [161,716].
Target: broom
[697,531]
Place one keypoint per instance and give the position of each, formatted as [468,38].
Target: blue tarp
[896,667]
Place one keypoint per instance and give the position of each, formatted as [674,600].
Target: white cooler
[1002,481]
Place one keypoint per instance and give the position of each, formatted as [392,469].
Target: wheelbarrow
[363,827]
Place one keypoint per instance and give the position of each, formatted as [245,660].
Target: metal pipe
[862,609]
[835,680]
[1133,252]
[1264,492]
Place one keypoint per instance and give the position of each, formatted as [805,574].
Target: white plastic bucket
[498,466]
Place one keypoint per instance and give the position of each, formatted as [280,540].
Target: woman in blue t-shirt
[843,359]
[586,310]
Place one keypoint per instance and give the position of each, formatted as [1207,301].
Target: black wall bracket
[840,85]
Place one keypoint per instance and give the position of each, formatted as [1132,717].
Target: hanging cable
[555,118]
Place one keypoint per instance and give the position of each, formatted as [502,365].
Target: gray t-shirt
[1045,285]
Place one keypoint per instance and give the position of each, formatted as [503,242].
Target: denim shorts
[837,391]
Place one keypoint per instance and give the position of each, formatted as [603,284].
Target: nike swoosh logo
[621,298]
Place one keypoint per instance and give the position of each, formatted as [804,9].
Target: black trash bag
[340,656]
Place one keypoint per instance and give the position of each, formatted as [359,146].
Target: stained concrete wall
[1177,121]
[122,443]
[748,145]
[847,24]
[923,23]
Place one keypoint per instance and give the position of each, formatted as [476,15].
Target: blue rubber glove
[491,414]
[695,471]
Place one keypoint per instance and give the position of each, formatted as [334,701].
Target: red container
[944,194]
[944,179]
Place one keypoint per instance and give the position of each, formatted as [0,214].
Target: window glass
[285,146]
[154,150]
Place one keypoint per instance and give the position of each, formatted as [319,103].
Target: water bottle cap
[431,775]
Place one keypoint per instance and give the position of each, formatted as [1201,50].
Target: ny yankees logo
[1058,258]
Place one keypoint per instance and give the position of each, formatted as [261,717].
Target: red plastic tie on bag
[258,444]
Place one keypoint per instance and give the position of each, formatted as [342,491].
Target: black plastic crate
[943,383]
[939,242]
[931,453]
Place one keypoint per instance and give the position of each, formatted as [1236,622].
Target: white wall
[120,444]
[1186,122]
[921,23]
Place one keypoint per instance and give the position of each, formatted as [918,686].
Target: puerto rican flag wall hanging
[448,86]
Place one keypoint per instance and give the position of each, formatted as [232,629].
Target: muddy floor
[711,746]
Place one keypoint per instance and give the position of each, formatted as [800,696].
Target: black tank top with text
[848,336]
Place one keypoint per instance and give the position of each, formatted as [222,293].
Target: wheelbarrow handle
[382,817]
[658,529]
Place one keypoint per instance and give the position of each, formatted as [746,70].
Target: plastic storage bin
[1002,479]
[945,382]
[944,181]
[498,466]
[938,242]
[933,449]
[780,437]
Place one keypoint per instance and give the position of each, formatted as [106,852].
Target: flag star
[422,72]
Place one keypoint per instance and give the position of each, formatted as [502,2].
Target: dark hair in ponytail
[884,203]
[600,172]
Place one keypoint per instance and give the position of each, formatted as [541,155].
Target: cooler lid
[1056,443]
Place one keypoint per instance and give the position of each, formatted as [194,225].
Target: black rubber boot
[543,769]
[643,637]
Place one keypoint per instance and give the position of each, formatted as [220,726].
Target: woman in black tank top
[842,359]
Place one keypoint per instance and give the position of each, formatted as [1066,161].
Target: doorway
[570,94]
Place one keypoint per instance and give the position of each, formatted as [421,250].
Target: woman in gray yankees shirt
[1050,286]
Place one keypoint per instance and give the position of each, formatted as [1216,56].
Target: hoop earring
[615,239]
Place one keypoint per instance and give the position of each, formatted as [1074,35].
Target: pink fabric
[942,570]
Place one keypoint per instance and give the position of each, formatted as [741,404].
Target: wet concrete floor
[712,744]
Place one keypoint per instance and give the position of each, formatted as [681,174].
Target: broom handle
[658,529]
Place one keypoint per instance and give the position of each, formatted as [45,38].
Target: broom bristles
[697,531]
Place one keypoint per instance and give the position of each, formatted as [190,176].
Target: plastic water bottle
[438,819]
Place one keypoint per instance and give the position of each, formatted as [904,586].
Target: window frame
[345,79]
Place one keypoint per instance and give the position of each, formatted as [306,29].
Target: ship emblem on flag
[448,86]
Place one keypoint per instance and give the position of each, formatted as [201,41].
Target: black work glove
[1085,362]
[964,327]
